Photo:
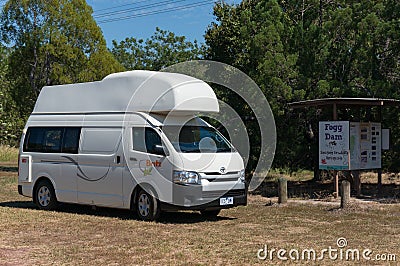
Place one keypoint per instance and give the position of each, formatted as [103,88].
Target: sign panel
[350,146]
[365,145]
[334,145]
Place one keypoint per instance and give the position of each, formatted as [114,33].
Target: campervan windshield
[196,139]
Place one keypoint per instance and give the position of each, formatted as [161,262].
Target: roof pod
[131,91]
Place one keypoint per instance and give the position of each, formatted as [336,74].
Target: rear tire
[45,196]
[147,206]
[210,214]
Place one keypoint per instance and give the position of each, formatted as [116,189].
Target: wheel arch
[143,186]
[40,179]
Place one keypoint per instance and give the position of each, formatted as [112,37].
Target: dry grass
[78,235]
[8,154]
[301,175]
[387,178]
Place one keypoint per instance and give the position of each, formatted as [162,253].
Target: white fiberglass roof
[130,91]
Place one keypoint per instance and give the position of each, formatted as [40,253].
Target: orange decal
[155,164]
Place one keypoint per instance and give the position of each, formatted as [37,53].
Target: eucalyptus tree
[53,42]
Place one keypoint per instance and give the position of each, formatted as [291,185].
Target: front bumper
[197,199]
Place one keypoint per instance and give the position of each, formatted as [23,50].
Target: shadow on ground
[186,217]
[8,168]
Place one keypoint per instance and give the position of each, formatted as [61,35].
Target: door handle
[133,159]
[118,159]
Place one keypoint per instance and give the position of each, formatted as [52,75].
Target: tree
[162,49]
[299,50]
[53,42]
[253,36]
[10,123]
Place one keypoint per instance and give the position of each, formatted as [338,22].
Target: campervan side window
[145,139]
[52,139]
[100,140]
[71,140]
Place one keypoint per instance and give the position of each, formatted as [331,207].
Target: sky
[120,19]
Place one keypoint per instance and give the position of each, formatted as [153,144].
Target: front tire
[147,206]
[45,196]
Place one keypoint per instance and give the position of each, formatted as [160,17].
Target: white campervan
[130,141]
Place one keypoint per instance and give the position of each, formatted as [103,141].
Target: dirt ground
[80,235]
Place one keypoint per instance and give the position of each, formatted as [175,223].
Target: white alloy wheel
[44,196]
[144,205]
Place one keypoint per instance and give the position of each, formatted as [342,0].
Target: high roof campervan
[132,141]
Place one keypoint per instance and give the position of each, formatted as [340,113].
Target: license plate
[226,201]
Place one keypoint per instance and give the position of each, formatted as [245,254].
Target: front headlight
[243,176]
[186,177]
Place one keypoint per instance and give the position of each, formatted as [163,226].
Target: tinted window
[71,140]
[138,139]
[145,140]
[34,139]
[52,139]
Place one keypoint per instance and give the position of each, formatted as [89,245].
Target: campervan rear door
[99,167]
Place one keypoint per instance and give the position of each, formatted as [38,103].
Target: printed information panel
[334,145]
[345,145]
[365,146]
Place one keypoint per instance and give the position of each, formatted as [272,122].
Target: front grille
[223,193]
[218,177]
[218,173]
[230,179]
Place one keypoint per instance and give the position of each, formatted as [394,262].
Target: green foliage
[299,50]
[253,37]
[53,42]
[162,49]
[294,50]
[10,122]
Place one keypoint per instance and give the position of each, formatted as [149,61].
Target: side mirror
[159,150]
